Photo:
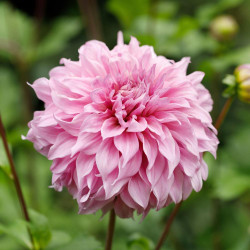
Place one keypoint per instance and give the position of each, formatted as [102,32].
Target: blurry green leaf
[127,11]
[16,33]
[4,164]
[58,239]
[234,58]
[9,207]
[166,10]
[83,242]
[18,231]
[230,184]
[138,242]
[185,25]
[161,34]
[161,29]
[242,243]
[207,12]
[229,92]
[11,102]
[39,227]
[229,80]
[2,229]
[239,144]
[195,42]
[18,42]
[55,41]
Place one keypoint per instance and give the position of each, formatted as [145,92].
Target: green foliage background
[215,218]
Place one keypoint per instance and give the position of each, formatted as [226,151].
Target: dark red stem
[168,225]
[15,177]
[223,113]
[90,15]
[111,229]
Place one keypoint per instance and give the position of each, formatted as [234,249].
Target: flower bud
[242,77]
[224,28]
[244,91]
[242,73]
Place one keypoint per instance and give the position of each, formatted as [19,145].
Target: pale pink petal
[111,128]
[107,157]
[62,146]
[42,89]
[127,144]
[139,191]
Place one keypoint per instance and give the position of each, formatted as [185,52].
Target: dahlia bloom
[125,128]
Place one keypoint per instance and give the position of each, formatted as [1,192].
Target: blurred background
[35,34]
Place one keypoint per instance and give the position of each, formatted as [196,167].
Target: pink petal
[111,128]
[137,126]
[89,143]
[42,89]
[107,157]
[155,126]
[131,167]
[139,191]
[62,146]
[176,189]
[93,123]
[162,188]
[84,165]
[156,171]
[127,143]
[150,148]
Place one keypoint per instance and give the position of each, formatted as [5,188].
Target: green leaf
[228,92]
[39,227]
[18,231]
[4,164]
[229,80]
[137,241]
[207,12]
[166,10]
[127,11]
[11,101]
[55,41]
[230,184]
[234,58]
[16,33]
[2,229]
[58,239]
[83,242]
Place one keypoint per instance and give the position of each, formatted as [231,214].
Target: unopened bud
[244,91]
[242,73]
[224,28]
[242,77]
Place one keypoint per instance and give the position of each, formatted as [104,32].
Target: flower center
[131,89]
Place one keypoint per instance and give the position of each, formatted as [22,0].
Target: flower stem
[110,230]
[223,113]
[170,220]
[168,225]
[90,15]
[15,178]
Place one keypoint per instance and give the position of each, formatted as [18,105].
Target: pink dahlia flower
[125,128]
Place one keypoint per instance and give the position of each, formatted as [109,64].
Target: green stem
[15,178]
[170,220]
[111,229]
